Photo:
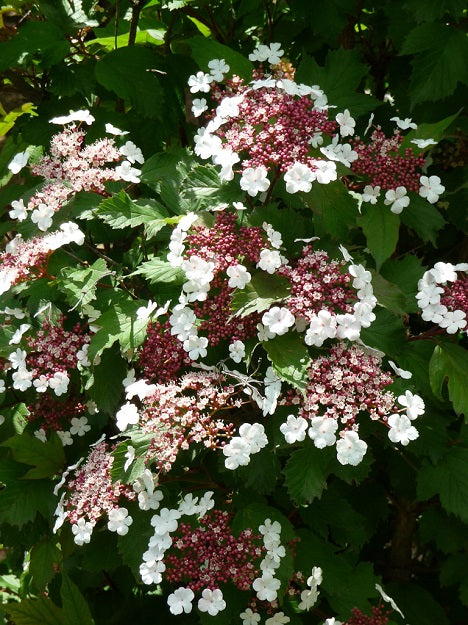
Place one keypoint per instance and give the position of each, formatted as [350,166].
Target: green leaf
[202,189]
[253,515]
[204,50]
[417,603]
[79,285]
[34,37]
[259,294]
[438,65]
[140,442]
[106,381]
[450,362]
[306,473]
[44,559]
[261,473]
[423,218]
[74,604]
[40,611]
[380,227]
[47,458]
[434,131]
[386,333]
[405,273]
[128,73]
[120,211]
[388,294]
[334,209]
[449,480]
[158,270]
[289,358]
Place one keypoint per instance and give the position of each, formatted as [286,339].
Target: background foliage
[398,517]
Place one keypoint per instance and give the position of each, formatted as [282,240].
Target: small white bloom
[413,403]
[129,457]
[294,430]
[19,161]
[206,144]
[322,326]
[239,277]
[65,438]
[346,122]
[453,321]
[227,159]
[196,346]
[82,531]
[22,379]
[406,375]
[348,327]
[325,171]
[74,116]
[189,505]
[431,188]
[316,140]
[299,177]
[71,233]
[42,217]
[199,106]
[126,172]
[254,180]
[218,68]
[237,351]
[18,210]
[17,336]
[166,521]
[127,415]
[401,430]
[423,143]
[279,618]
[237,453]
[263,333]
[132,153]
[200,82]
[397,198]
[59,383]
[180,601]
[278,320]
[308,598]
[350,449]
[270,260]
[151,571]
[211,601]
[266,587]
[404,124]
[370,194]
[41,435]
[249,617]
[2,390]
[322,431]
[79,426]
[254,435]
[113,130]
[119,521]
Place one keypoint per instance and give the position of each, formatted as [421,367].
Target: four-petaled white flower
[127,415]
[218,68]
[322,431]
[299,177]
[79,426]
[18,210]
[278,320]
[196,346]
[266,587]
[126,172]
[254,180]
[346,122]
[397,198]
[350,448]
[211,601]
[401,430]
[74,116]
[200,82]
[423,143]
[270,260]
[82,531]
[325,171]
[404,124]
[239,277]
[271,53]
[370,194]
[294,429]
[279,618]
[42,216]
[431,188]
[413,403]
[180,601]
[132,153]
[249,617]
[237,351]
[119,521]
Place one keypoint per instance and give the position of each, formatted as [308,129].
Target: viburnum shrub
[177,360]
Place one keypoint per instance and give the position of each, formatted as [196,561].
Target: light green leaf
[47,458]
[306,473]
[204,50]
[158,270]
[79,285]
[259,294]
[289,358]
[140,442]
[449,363]
[381,228]
[120,211]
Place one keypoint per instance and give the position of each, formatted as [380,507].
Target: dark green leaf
[106,388]
[450,362]
[423,218]
[40,611]
[388,294]
[405,273]
[289,357]
[204,50]
[334,210]
[74,604]
[386,333]
[47,458]
[259,294]
[120,211]
[44,560]
[306,473]
[381,228]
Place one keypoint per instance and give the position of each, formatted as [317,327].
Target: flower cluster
[443,296]
[341,387]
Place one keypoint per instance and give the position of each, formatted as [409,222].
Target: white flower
[22,379]
[200,82]
[278,320]
[206,144]
[151,571]
[404,124]
[119,521]
[82,356]
[165,521]
[149,500]
[270,260]
[270,529]
[389,600]
[308,598]
[266,587]
[263,334]
[346,122]
[19,161]
[79,426]
[140,389]
[254,180]
[74,116]
[413,403]
[370,194]
[271,53]
[211,601]
[316,140]
[82,531]
[279,618]
[113,130]
[254,435]
[196,346]
[180,601]
[182,322]
[299,177]
[322,431]
[226,158]
[237,453]
[18,210]
[406,375]
[363,314]
[144,312]
[127,415]
[274,237]
[322,326]
[132,153]
[59,383]
[41,435]
[350,449]
[453,321]
[126,172]
[2,390]
[42,217]
[199,106]
[189,505]
[15,312]
[431,188]
[348,327]
[65,438]
[401,430]
[218,67]
[444,272]
[17,336]
[237,351]
[325,171]
[206,503]
[71,233]
[294,430]
[250,618]
[239,277]
[423,143]
[397,198]
[316,578]
[332,621]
